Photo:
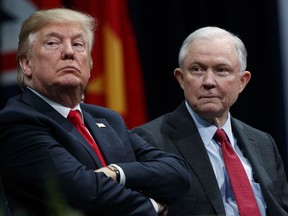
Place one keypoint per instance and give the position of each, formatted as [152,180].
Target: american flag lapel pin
[101,125]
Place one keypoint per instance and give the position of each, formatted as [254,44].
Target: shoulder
[153,126]
[15,109]
[99,112]
[242,125]
[167,123]
[155,131]
[171,121]
[243,129]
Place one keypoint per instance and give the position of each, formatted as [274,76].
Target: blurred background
[136,51]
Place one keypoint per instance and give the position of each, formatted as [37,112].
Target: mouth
[69,69]
[209,97]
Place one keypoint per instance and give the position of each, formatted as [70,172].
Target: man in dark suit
[212,74]
[46,164]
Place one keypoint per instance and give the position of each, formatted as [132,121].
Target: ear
[244,79]
[25,66]
[178,73]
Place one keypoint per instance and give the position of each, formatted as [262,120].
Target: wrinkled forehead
[63,27]
[71,30]
[218,50]
[215,41]
[215,46]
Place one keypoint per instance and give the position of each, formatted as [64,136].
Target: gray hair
[41,18]
[210,33]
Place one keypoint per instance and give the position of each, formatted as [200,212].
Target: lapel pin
[100,125]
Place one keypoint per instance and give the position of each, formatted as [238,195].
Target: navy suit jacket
[46,165]
[176,132]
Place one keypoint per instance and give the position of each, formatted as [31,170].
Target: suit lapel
[188,141]
[82,141]
[108,142]
[41,106]
[250,149]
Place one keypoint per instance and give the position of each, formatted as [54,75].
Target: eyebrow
[56,34]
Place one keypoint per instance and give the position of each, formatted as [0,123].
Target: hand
[109,173]
[162,209]
[164,213]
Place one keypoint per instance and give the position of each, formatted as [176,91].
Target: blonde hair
[41,18]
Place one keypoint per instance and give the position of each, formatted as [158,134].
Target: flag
[13,13]
[116,78]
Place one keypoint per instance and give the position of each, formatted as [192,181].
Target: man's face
[59,59]
[211,77]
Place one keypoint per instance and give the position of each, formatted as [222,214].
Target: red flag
[116,79]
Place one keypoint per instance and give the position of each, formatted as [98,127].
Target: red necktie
[241,187]
[75,118]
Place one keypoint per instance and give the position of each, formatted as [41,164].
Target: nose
[68,51]
[209,78]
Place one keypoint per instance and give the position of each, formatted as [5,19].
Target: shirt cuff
[155,205]
[122,174]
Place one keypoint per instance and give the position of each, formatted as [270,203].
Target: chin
[209,111]
[71,82]
[210,107]
[70,86]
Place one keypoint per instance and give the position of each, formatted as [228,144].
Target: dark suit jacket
[176,132]
[4,208]
[47,166]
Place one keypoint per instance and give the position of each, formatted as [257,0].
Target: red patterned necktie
[75,118]
[241,187]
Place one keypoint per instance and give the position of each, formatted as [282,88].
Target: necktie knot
[220,135]
[74,117]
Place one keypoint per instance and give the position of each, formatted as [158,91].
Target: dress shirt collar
[64,111]
[207,130]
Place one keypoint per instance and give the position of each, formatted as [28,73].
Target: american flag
[12,14]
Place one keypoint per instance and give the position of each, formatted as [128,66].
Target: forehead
[216,45]
[218,48]
[70,29]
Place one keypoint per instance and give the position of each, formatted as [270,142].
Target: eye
[222,71]
[52,44]
[79,46]
[197,70]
